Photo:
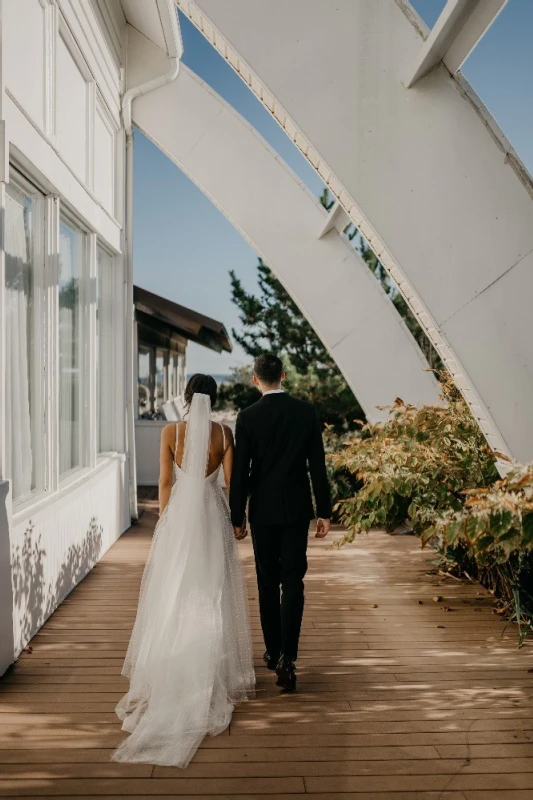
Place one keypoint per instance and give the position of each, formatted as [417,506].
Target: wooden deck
[398,698]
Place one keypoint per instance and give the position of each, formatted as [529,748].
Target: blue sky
[184,247]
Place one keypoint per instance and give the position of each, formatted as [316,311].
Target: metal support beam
[459,28]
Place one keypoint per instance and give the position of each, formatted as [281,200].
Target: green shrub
[493,522]
[343,483]
[432,467]
[414,465]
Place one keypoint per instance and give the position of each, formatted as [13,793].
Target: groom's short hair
[268,368]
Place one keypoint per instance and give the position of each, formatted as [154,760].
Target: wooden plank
[417,783]
[317,796]
[72,787]
[276,769]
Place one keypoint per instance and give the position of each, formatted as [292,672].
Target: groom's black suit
[278,445]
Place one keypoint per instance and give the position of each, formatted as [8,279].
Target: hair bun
[201,384]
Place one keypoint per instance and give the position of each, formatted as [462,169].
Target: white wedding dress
[189,659]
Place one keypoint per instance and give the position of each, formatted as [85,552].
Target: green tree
[271,322]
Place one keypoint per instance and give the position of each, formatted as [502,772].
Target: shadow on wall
[6,597]
[34,598]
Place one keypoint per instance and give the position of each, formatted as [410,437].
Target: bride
[189,659]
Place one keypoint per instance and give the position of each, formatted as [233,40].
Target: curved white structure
[424,172]
[289,228]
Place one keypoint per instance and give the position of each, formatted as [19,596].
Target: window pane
[145,405]
[22,385]
[172,366]
[71,249]
[104,351]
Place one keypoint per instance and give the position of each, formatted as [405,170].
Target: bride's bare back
[220,438]
[172,449]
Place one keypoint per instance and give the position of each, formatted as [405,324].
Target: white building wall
[53,101]
[55,547]
[63,76]
[148,444]
[27,43]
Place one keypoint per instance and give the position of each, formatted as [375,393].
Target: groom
[278,442]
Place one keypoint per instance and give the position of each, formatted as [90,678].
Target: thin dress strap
[176,445]
[223,438]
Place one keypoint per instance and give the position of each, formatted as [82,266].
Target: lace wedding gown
[189,659]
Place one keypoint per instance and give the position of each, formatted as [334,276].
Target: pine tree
[271,322]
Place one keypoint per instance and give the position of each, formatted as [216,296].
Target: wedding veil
[189,659]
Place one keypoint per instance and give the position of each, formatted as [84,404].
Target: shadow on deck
[397,697]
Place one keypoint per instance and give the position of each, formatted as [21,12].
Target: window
[24,391]
[144,390]
[71,347]
[158,376]
[48,354]
[159,379]
[105,405]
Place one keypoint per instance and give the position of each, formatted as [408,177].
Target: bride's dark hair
[201,384]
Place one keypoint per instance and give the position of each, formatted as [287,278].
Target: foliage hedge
[414,465]
[431,466]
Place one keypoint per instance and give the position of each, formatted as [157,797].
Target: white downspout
[175,47]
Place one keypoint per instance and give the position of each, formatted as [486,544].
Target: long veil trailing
[189,659]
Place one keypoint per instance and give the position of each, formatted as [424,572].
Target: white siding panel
[39,152]
[23,42]
[72,110]
[88,27]
[52,550]
[104,161]
[147,445]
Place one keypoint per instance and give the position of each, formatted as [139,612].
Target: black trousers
[281,563]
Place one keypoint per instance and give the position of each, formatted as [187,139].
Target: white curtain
[68,361]
[18,365]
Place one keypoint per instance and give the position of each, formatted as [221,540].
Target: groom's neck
[275,387]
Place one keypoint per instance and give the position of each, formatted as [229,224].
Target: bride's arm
[227,461]
[166,465]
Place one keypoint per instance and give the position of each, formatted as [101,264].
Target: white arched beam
[284,223]
[458,29]
[424,173]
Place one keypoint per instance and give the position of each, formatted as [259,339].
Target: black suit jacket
[278,445]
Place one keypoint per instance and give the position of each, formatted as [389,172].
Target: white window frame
[49,72]
[109,365]
[39,405]
[88,456]
[50,209]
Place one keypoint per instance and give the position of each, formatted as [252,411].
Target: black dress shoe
[286,672]
[270,662]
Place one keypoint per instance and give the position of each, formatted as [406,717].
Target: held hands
[241,532]
[322,528]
